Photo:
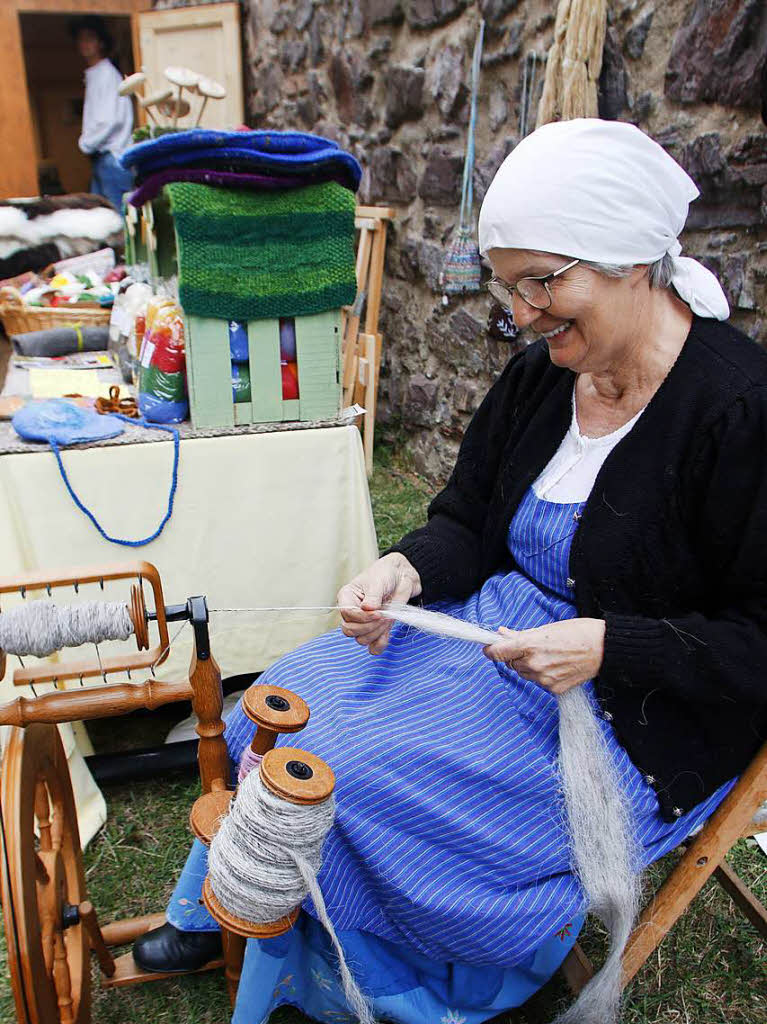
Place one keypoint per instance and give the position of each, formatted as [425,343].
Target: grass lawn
[711,969]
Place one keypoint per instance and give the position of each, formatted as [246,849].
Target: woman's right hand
[391,578]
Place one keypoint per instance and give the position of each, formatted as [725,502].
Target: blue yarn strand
[171,496]
[467,186]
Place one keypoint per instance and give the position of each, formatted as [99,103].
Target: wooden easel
[362,349]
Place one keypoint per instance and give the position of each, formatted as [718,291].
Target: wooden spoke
[62,981]
[42,871]
[49,967]
[58,827]
[42,813]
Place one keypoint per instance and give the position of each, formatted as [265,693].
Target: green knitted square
[249,255]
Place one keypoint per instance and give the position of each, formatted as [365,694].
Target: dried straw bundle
[574,61]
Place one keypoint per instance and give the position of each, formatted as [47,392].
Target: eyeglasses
[532,290]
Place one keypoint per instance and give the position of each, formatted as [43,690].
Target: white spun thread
[603,841]
[41,627]
[423,619]
[263,863]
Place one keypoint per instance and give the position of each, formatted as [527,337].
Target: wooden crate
[209,371]
[135,244]
[160,236]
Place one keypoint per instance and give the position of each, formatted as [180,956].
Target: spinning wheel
[43,882]
[50,926]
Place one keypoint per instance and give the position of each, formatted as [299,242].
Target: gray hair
[660,272]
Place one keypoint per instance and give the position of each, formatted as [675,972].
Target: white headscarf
[600,191]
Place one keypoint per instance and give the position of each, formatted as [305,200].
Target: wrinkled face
[89,45]
[588,325]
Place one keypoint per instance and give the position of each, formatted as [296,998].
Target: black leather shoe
[166,949]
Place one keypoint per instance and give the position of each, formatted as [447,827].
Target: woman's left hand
[558,656]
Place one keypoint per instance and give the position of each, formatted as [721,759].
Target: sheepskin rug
[36,232]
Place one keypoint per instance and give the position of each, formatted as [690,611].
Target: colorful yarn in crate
[162,393]
[289,380]
[240,382]
[238,342]
[288,339]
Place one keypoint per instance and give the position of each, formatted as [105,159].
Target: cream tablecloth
[260,519]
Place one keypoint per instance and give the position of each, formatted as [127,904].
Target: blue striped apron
[448,862]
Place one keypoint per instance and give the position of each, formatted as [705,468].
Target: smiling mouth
[549,335]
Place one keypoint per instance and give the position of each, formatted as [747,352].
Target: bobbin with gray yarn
[264,859]
[252,861]
[40,627]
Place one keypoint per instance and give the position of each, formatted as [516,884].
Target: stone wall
[389,79]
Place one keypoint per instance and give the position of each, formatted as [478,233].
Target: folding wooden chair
[739,816]
[362,349]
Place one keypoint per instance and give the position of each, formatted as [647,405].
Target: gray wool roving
[603,842]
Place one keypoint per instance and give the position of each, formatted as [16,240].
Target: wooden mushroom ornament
[209,90]
[154,100]
[182,78]
[131,84]
[173,107]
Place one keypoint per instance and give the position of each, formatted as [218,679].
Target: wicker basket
[18,318]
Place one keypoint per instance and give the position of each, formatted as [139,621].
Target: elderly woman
[608,514]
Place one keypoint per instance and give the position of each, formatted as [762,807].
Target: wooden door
[205,38]
[18,149]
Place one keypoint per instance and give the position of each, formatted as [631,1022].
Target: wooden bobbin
[274,710]
[137,612]
[300,778]
[207,812]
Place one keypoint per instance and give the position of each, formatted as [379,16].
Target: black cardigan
[671,551]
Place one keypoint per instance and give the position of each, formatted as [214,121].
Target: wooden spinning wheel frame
[42,881]
[50,926]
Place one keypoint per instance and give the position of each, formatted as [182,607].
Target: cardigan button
[577,516]
[650,780]
[607,715]
[677,812]
[570,582]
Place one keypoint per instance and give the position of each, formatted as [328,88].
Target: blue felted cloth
[61,422]
[289,143]
[296,152]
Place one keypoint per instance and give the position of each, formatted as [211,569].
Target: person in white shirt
[107,116]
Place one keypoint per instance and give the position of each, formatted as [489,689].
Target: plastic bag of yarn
[160,410]
[240,382]
[61,422]
[238,342]
[162,393]
[167,337]
[169,386]
[156,306]
[164,344]
[162,397]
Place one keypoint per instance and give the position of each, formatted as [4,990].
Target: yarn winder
[49,922]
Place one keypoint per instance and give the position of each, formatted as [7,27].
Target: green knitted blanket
[248,255]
